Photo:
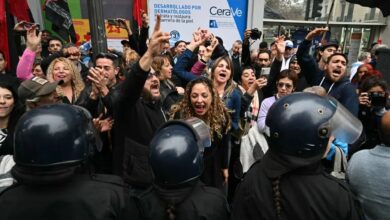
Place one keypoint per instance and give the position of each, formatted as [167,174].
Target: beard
[148,97]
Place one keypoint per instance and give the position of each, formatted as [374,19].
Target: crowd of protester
[130,94]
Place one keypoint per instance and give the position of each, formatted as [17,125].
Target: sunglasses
[287,85]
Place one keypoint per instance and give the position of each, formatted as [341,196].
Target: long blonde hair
[217,117]
[76,81]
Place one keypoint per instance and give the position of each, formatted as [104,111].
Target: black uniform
[306,192]
[199,202]
[81,197]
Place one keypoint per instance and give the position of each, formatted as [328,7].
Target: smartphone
[265,71]
[25,26]
[114,22]
[29,25]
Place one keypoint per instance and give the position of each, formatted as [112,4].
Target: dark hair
[54,38]
[290,74]
[263,45]
[242,70]
[277,197]
[178,42]
[337,54]
[14,116]
[220,41]
[46,31]
[110,56]
[264,51]
[370,82]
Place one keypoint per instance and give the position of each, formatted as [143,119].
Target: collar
[277,165]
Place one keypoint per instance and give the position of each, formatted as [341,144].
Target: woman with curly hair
[63,69]
[202,100]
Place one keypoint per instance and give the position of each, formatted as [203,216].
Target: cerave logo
[213,24]
[175,35]
[225,12]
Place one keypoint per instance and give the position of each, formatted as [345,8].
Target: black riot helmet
[301,124]
[176,152]
[53,137]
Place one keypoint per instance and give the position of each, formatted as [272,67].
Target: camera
[378,99]
[113,22]
[255,34]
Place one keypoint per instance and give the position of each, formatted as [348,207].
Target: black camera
[378,99]
[113,22]
[255,34]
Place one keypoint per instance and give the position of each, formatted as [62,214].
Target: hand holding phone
[25,26]
[113,22]
[265,72]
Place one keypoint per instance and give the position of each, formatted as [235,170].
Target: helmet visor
[343,125]
[201,130]
[93,135]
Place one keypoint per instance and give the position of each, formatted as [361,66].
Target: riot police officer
[51,142]
[290,182]
[176,157]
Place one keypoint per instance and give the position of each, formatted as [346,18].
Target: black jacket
[306,192]
[342,90]
[201,202]
[81,197]
[169,95]
[136,120]
[103,106]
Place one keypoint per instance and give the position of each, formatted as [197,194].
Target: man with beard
[137,117]
[331,75]
[263,57]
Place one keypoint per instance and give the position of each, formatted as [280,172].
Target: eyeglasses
[150,75]
[287,85]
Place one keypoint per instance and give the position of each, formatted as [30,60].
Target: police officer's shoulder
[254,168]
[340,182]
[109,179]
[211,191]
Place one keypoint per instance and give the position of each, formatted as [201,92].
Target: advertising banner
[224,18]
[114,34]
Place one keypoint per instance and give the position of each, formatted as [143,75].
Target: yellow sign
[81,27]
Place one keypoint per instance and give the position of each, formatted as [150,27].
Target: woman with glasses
[285,84]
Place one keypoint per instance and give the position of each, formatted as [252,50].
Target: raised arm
[180,68]
[26,62]
[133,85]
[307,62]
